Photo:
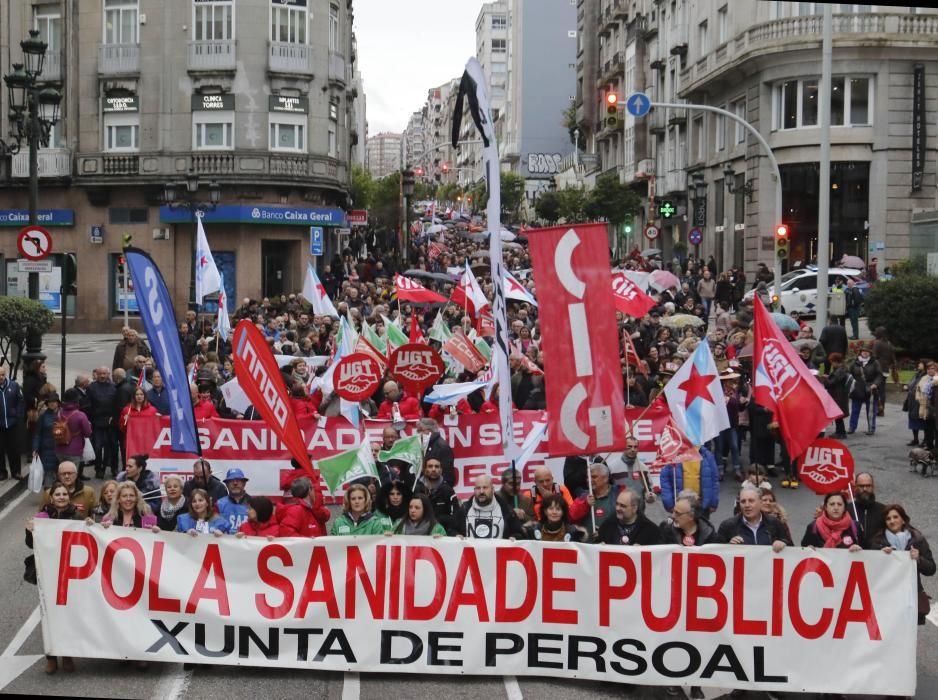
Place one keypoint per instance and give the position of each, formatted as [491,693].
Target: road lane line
[174,682]
[512,689]
[351,686]
[22,634]
[15,502]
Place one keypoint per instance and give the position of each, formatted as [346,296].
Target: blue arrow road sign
[638,104]
[315,240]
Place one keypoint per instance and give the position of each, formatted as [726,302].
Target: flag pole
[856,516]
[589,482]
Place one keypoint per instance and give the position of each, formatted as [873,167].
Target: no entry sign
[34,243]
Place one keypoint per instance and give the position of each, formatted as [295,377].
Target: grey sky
[407,47]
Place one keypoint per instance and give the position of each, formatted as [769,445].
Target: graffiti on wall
[544,163]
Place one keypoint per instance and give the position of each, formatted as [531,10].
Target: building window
[121,133]
[720,130]
[333,148]
[288,132]
[212,131]
[499,22]
[796,102]
[128,215]
[499,46]
[48,20]
[722,26]
[288,23]
[333,27]
[213,20]
[699,140]
[702,38]
[803,9]
[120,21]
[739,109]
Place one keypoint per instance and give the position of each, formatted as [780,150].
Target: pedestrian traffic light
[127,241]
[781,242]
[612,110]
[120,264]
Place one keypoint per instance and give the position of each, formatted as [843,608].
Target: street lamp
[407,190]
[183,194]
[34,110]
[729,176]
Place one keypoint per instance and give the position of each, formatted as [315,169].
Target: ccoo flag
[784,385]
[695,397]
[156,312]
[207,278]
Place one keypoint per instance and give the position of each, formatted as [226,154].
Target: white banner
[719,616]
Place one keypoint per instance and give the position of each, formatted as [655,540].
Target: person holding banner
[833,528]
[420,519]
[261,521]
[357,517]
[171,506]
[752,526]
[201,519]
[554,524]
[442,497]
[129,509]
[687,525]
[303,514]
[487,517]
[630,526]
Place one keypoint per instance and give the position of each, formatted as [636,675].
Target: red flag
[464,352]
[259,377]
[674,447]
[416,335]
[586,413]
[784,385]
[468,294]
[362,346]
[630,300]
[631,356]
[485,323]
[408,290]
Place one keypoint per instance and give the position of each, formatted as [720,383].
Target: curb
[12,493]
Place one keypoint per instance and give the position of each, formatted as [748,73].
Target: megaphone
[398,422]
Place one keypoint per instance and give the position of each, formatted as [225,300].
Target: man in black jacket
[630,527]
[868,511]
[103,395]
[202,479]
[752,526]
[437,448]
[487,517]
[12,412]
[442,497]
[833,339]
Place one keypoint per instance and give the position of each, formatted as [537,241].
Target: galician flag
[439,331]
[347,466]
[408,450]
[395,336]
[468,294]
[695,397]
[370,335]
[515,290]
[207,278]
[453,393]
[315,293]
[224,323]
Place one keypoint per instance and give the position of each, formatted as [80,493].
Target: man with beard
[202,479]
[630,527]
[487,517]
[869,513]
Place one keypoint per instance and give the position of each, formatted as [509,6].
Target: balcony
[119,59]
[286,57]
[53,162]
[620,9]
[52,68]
[337,69]
[213,56]
[613,68]
[610,20]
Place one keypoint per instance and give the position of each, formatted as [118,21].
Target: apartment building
[254,96]
[383,154]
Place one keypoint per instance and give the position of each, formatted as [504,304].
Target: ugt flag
[784,385]
[156,312]
[207,278]
[695,397]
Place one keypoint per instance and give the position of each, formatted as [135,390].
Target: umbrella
[512,245]
[439,276]
[650,252]
[806,342]
[436,228]
[662,279]
[480,254]
[852,261]
[786,323]
[682,321]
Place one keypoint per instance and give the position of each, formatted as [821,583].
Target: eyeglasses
[679,513]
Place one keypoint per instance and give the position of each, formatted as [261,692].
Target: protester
[687,525]
[146,481]
[103,396]
[234,506]
[865,508]
[699,476]
[303,513]
[80,495]
[261,521]
[918,403]
[435,446]
[398,405]
[129,509]
[202,479]
[392,502]
[510,493]
[200,519]
[105,499]
[419,519]
[46,437]
[157,395]
[554,524]
[488,518]
[601,499]
[12,414]
[630,526]
[775,509]
[833,528]
[138,407]
[357,517]
[836,381]
[544,486]
[172,505]
[446,507]
[76,429]
[633,473]
[752,526]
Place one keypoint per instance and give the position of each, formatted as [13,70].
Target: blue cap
[235,474]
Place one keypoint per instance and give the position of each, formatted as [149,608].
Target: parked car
[799,287]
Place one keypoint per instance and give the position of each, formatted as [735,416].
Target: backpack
[61,435]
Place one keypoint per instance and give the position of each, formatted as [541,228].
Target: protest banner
[476,441]
[719,615]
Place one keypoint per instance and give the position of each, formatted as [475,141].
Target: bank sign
[238,214]
[44,217]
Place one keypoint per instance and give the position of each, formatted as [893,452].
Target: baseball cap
[235,474]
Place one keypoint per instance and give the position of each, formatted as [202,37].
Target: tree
[386,201]
[613,201]
[363,186]
[512,186]
[572,204]
[547,207]
[569,122]
[906,308]
[20,318]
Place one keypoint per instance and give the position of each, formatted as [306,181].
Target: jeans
[855,405]
[728,442]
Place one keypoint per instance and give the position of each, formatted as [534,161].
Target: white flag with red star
[515,290]
[695,397]
[207,279]
[315,293]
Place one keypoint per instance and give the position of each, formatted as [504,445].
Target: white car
[799,288]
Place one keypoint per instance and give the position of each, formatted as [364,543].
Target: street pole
[824,199]
[126,299]
[33,135]
[768,152]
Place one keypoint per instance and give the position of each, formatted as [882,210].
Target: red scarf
[832,531]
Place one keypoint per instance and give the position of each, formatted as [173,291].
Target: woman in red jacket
[261,521]
[138,406]
[303,515]
[204,406]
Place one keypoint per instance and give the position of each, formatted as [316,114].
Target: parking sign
[315,240]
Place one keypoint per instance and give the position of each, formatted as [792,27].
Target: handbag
[87,452]
[924,606]
[36,474]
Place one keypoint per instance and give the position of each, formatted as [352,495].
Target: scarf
[408,527]
[898,540]
[168,511]
[832,531]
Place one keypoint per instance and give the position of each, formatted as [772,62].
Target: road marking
[351,686]
[174,682]
[932,617]
[12,666]
[512,689]
[12,504]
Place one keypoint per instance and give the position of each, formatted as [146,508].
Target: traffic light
[781,242]
[445,167]
[667,209]
[418,171]
[126,241]
[612,110]
[120,264]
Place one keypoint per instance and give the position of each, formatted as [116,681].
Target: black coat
[446,506]
[869,517]
[770,530]
[645,533]
[438,448]
[866,378]
[103,397]
[836,384]
[512,526]
[706,534]
[834,339]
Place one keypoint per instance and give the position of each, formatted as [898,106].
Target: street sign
[695,236]
[34,242]
[315,240]
[34,265]
[651,232]
[638,104]
[667,209]
[96,234]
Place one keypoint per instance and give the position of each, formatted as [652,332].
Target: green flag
[396,337]
[484,348]
[439,331]
[408,450]
[369,334]
[347,466]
